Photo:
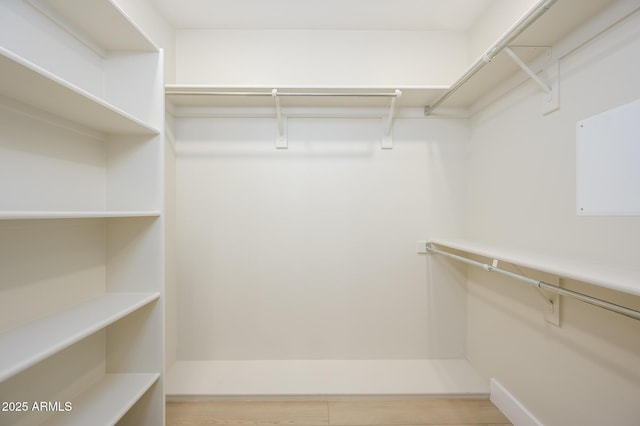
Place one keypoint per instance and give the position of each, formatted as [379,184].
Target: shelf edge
[16,366]
[29,215]
[75,91]
[568,268]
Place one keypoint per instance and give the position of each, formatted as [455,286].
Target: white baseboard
[276,378]
[511,407]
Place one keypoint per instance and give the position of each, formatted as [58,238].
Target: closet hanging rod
[240,93]
[354,95]
[518,28]
[631,313]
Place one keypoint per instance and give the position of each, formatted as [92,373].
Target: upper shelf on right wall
[546,23]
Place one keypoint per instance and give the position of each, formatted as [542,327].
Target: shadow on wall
[589,332]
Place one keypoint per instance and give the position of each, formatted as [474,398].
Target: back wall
[310,252]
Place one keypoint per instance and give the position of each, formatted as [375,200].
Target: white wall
[312,58]
[310,252]
[522,194]
[493,23]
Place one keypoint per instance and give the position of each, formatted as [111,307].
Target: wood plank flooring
[367,412]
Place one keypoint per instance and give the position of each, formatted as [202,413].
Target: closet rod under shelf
[631,313]
[311,94]
[518,28]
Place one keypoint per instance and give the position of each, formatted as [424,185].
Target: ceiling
[449,15]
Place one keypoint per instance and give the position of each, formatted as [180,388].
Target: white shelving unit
[81,214]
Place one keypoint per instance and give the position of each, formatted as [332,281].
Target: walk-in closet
[319,201]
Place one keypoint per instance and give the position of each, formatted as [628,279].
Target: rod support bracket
[387,137]
[281,139]
[552,316]
[552,300]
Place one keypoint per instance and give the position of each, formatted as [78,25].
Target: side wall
[310,252]
[522,194]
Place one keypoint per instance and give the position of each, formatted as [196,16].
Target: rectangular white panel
[608,162]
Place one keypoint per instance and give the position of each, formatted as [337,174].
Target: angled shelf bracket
[387,137]
[551,299]
[540,8]
[281,141]
[550,87]
[543,85]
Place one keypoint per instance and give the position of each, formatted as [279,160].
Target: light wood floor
[451,412]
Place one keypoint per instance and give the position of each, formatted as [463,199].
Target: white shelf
[561,19]
[40,339]
[324,377]
[10,215]
[30,84]
[607,276]
[108,400]
[88,128]
[192,96]
[102,21]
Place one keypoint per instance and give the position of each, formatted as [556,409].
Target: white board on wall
[608,162]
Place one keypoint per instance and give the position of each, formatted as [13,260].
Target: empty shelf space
[11,215]
[588,271]
[33,342]
[108,400]
[324,377]
[29,84]
[102,21]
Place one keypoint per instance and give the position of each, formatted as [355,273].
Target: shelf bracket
[544,86]
[387,137]
[552,73]
[552,300]
[281,141]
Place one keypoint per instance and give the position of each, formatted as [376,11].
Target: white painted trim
[277,378]
[288,398]
[513,409]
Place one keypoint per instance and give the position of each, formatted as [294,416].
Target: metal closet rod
[631,313]
[518,28]
[395,94]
